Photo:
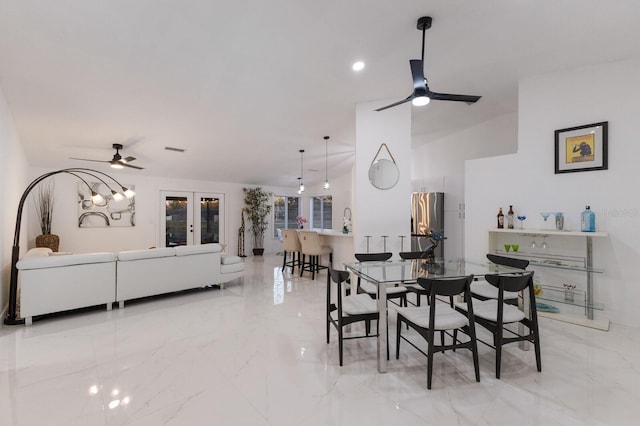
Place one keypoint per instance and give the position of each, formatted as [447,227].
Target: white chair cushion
[358,304]
[447,318]
[484,289]
[488,309]
[372,289]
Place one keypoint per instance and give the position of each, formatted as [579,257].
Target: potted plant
[44,206]
[257,208]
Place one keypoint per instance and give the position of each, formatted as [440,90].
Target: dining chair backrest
[446,286]
[411,255]
[373,257]
[310,243]
[335,277]
[514,283]
[508,261]
[290,240]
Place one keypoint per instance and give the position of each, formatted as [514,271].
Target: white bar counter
[342,245]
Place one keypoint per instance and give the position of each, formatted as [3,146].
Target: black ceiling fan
[117,162]
[421,94]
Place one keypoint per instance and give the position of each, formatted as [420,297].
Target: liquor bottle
[500,219]
[510,218]
[588,220]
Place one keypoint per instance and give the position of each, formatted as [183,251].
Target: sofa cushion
[125,256]
[58,261]
[229,259]
[38,252]
[198,249]
[235,267]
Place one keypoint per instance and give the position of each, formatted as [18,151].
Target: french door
[191,218]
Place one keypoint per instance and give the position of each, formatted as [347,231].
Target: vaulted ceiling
[243,85]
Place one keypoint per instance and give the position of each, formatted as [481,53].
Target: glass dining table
[389,273]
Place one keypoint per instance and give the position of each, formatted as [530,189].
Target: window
[285,211]
[322,209]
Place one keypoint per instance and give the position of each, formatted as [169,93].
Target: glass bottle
[588,220]
[510,218]
[500,219]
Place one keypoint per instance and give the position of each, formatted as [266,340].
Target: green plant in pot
[44,206]
[257,208]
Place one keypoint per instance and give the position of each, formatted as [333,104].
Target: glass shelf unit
[566,296]
[573,263]
[572,251]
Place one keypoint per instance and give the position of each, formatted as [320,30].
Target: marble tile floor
[254,353]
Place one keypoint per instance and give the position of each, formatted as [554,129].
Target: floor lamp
[12,318]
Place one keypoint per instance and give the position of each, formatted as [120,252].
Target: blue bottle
[588,220]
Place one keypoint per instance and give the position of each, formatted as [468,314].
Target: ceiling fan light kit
[117,162]
[422,95]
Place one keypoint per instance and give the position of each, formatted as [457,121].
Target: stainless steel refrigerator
[427,215]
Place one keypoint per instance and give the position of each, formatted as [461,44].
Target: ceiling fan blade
[407,99]
[133,167]
[86,159]
[128,159]
[457,98]
[417,73]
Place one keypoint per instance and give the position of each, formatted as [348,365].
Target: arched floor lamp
[11,318]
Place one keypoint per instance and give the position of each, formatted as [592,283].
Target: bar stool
[310,242]
[291,244]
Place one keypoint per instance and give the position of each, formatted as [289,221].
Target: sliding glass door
[191,218]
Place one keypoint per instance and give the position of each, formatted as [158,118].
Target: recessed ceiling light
[358,66]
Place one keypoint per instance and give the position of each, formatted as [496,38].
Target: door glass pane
[285,211]
[327,212]
[209,220]
[279,214]
[321,208]
[293,210]
[176,221]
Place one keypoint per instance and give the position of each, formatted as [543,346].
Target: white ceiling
[243,85]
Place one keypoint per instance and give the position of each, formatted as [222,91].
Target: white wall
[438,166]
[146,233]
[607,92]
[13,180]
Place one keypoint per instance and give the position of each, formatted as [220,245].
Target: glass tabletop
[410,270]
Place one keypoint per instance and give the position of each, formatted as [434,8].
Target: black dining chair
[417,289]
[483,291]
[441,316]
[396,292]
[494,314]
[348,310]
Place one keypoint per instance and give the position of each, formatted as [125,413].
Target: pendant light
[326,163]
[301,187]
[299,180]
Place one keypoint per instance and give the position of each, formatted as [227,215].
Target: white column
[380,212]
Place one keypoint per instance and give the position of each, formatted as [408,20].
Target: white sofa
[60,283]
[143,273]
[53,283]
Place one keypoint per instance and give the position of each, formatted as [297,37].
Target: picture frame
[582,148]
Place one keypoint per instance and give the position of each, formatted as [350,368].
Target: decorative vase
[258,251]
[51,241]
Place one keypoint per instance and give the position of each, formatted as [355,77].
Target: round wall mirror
[383,174]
